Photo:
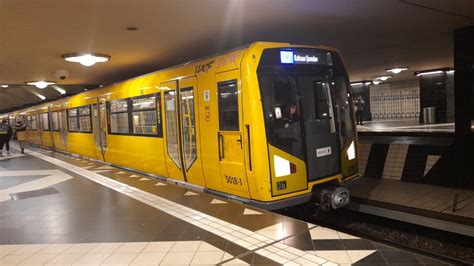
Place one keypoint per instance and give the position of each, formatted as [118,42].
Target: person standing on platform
[5,136]
[359,106]
[18,136]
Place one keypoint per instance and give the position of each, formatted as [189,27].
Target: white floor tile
[173,258]
[148,259]
[64,259]
[13,259]
[88,259]
[209,257]
[37,259]
[54,249]
[106,248]
[80,248]
[29,249]
[323,233]
[207,247]
[7,249]
[157,247]
[120,259]
[132,247]
[186,246]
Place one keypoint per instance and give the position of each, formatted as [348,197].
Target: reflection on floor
[104,215]
[404,125]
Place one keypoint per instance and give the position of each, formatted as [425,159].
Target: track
[445,246]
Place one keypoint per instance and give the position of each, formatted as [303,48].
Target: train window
[44,121]
[84,116]
[31,123]
[282,113]
[72,120]
[228,106]
[172,136]
[118,117]
[188,126]
[79,119]
[145,114]
[55,120]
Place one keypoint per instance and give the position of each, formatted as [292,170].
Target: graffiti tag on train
[203,68]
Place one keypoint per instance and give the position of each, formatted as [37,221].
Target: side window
[84,116]
[146,115]
[228,106]
[118,117]
[72,120]
[31,123]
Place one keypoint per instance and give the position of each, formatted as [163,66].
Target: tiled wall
[398,100]
[395,161]
[398,160]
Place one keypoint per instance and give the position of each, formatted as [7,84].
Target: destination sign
[298,57]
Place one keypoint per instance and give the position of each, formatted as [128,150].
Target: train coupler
[333,198]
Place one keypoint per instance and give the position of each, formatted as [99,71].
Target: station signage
[298,57]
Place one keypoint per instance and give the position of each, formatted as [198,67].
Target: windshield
[286,99]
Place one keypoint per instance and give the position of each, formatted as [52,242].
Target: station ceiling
[372,35]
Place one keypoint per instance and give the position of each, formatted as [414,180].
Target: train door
[50,126]
[99,127]
[230,132]
[62,121]
[188,116]
[172,142]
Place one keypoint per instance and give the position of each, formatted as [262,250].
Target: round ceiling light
[396,70]
[384,78]
[41,84]
[4,86]
[86,59]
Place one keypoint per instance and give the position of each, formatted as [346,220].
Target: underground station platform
[58,209]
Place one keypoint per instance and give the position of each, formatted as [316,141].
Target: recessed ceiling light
[41,84]
[4,86]
[367,83]
[396,70]
[376,81]
[428,73]
[86,59]
[384,78]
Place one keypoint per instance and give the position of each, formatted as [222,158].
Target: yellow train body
[238,163]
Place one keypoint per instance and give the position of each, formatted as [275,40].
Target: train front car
[309,125]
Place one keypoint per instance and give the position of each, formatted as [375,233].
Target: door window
[189,128]
[172,134]
[228,106]
[45,121]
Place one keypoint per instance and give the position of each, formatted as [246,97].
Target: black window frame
[222,127]
[78,115]
[156,108]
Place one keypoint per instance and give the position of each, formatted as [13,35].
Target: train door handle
[221,146]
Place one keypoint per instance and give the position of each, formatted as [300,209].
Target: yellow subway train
[268,124]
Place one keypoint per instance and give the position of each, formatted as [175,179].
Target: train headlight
[351,151]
